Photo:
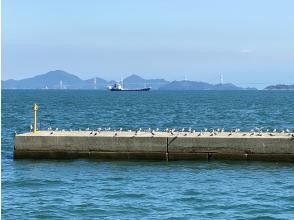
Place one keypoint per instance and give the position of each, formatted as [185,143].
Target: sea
[99,189]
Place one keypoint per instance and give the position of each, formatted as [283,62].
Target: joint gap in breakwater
[166,152]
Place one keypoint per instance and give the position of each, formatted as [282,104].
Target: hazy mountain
[59,79]
[187,85]
[135,81]
[95,83]
[280,87]
[192,85]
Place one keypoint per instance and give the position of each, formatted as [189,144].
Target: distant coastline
[60,79]
[280,87]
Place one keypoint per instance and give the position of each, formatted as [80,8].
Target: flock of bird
[185,132]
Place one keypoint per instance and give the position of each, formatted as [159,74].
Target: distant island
[59,79]
[280,87]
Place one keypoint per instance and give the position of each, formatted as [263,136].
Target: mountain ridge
[59,79]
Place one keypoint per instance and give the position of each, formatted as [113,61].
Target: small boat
[118,87]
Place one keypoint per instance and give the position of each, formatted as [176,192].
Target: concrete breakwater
[154,145]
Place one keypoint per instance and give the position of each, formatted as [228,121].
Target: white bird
[56,129]
[87,129]
[157,129]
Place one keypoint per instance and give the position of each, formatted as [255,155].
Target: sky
[250,42]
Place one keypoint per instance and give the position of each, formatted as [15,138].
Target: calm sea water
[88,189]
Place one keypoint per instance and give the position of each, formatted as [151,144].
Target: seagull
[200,133]
[205,129]
[56,129]
[190,130]
[87,129]
[91,132]
[287,130]
[51,132]
[120,129]
[183,129]
[95,133]
[157,129]
[275,130]
[152,132]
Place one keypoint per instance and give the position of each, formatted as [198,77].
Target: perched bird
[51,132]
[91,132]
[157,129]
[87,129]
[56,129]
[153,132]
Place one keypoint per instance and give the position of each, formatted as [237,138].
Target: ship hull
[130,90]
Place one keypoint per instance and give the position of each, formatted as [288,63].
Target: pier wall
[44,145]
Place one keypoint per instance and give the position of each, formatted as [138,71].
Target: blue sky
[248,41]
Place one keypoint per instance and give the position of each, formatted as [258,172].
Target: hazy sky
[249,41]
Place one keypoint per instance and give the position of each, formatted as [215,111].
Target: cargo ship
[118,87]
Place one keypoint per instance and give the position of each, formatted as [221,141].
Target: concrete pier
[157,146]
